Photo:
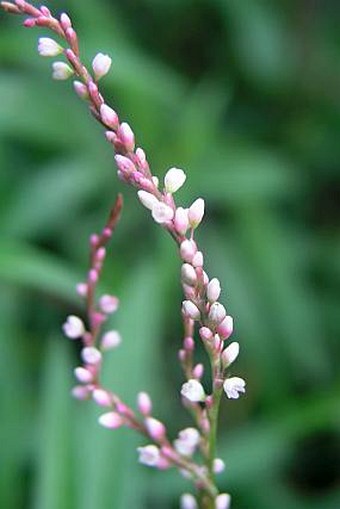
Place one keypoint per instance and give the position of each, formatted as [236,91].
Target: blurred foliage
[245,96]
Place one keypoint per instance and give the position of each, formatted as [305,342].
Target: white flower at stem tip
[230,354]
[74,327]
[174,179]
[222,501]
[193,391]
[188,501]
[234,386]
[61,71]
[101,65]
[48,47]
[149,455]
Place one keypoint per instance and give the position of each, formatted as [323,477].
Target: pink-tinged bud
[189,344]
[111,137]
[234,386]
[198,371]
[174,179]
[198,259]
[61,71]
[163,463]
[144,403]
[91,355]
[222,501]
[230,354]
[29,22]
[162,213]
[218,343]
[188,274]
[101,65]
[141,158]
[93,276]
[206,334]
[94,239]
[125,165]
[73,328]
[193,391]
[187,441]
[147,199]
[213,290]
[97,319]
[218,466]
[109,116]
[196,212]
[149,455]
[102,397]
[111,420]
[80,392]
[83,375]
[182,355]
[65,21]
[226,327]
[108,303]
[45,11]
[181,221]
[205,278]
[155,428]
[155,181]
[217,313]
[190,310]
[100,254]
[126,136]
[48,47]
[188,249]
[189,291]
[188,501]
[110,340]
[82,289]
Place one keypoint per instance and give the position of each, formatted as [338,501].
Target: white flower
[234,386]
[230,354]
[101,65]
[73,327]
[108,303]
[83,375]
[102,397]
[218,465]
[110,340]
[222,501]
[111,420]
[149,455]
[91,355]
[193,391]
[61,71]
[181,220]
[187,441]
[147,199]
[196,212]
[188,501]
[161,212]
[174,179]
[48,47]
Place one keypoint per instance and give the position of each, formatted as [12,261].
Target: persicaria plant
[205,319]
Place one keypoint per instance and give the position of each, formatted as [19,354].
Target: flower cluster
[201,307]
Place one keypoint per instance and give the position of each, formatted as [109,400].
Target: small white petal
[149,455]
[162,213]
[101,65]
[174,179]
[91,355]
[234,386]
[193,391]
[48,47]
[61,71]
[73,328]
[147,199]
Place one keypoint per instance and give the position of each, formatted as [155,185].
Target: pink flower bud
[110,340]
[111,420]
[188,274]
[108,303]
[91,355]
[230,354]
[149,455]
[80,392]
[48,47]
[82,289]
[126,136]
[198,260]
[193,391]
[189,343]
[222,501]
[205,278]
[217,313]
[61,71]
[102,397]
[147,199]
[162,213]
[144,403]
[155,428]
[174,179]
[225,328]
[190,310]
[218,465]
[65,21]
[181,220]
[83,375]
[141,158]
[101,65]
[196,212]
[206,333]
[125,165]
[198,371]
[109,116]
[188,501]
[188,249]
[213,290]
[73,327]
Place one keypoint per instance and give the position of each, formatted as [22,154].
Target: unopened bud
[190,310]
[109,116]
[102,397]
[126,136]
[230,354]
[196,212]
[91,355]
[147,199]
[174,179]
[144,403]
[101,65]
[155,428]
[213,290]
[61,71]
[181,220]
[111,420]
[188,274]
[188,249]
[225,328]
[217,313]
[110,340]
[108,303]
[83,375]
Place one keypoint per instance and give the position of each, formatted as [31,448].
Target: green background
[244,95]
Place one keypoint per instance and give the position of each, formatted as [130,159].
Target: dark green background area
[244,95]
